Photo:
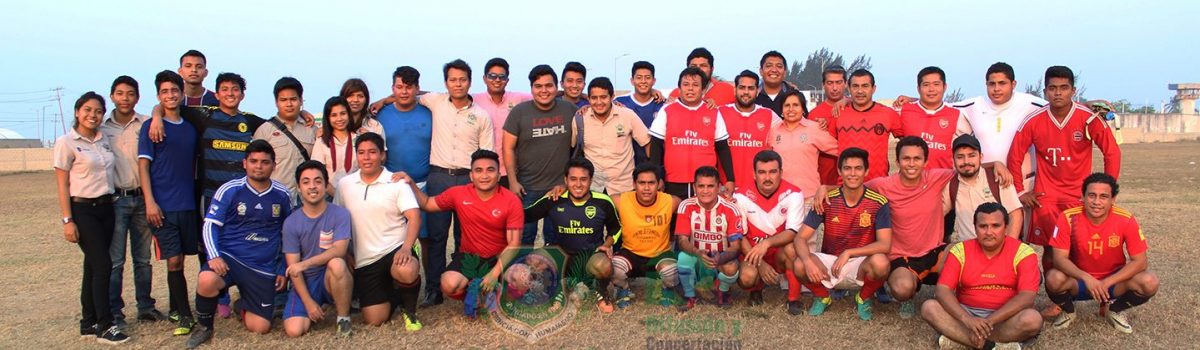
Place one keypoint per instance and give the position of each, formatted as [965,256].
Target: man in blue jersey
[167,171]
[642,99]
[242,235]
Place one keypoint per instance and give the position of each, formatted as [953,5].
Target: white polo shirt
[376,213]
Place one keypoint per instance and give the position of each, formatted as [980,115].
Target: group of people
[738,180]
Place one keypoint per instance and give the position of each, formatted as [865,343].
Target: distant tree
[807,75]
[954,96]
[1035,89]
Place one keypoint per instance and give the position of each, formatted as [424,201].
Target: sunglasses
[494,76]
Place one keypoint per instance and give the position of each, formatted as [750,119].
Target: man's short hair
[1060,72]
[910,141]
[603,83]
[496,62]
[232,78]
[127,80]
[407,75]
[863,73]
[286,83]
[260,146]
[312,164]
[746,74]
[485,154]
[192,53]
[931,70]
[581,163]
[702,53]
[575,67]
[706,171]
[641,65]
[854,152]
[1101,178]
[372,138]
[803,100]
[650,168]
[988,208]
[767,156]
[690,71]
[770,54]
[1001,67]
[166,76]
[456,64]
[833,70]
[540,70]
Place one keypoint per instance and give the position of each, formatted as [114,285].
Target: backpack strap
[296,142]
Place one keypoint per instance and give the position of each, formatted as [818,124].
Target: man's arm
[513,237]
[538,210]
[298,282]
[1103,137]
[510,162]
[424,201]
[1016,155]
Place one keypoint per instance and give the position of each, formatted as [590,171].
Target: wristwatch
[67,220]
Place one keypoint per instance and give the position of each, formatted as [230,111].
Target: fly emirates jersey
[712,230]
[690,136]
[766,216]
[938,127]
[748,132]
[1063,151]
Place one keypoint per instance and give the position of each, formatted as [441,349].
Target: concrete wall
[26,159]
[1141,128]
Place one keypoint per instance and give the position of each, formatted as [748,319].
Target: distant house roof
[9,134]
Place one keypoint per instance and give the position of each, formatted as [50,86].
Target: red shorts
[1041,226]
[771,259]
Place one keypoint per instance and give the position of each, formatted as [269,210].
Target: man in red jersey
[984,297]
[1062,135]
[833,82]
[774,211]
[866,124]
[858,235]
[931,119]
[686,135]
[1088,259]
[719,93]
[492,219]
[708,228]
[748,125]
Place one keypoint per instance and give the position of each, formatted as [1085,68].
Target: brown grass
[41,299]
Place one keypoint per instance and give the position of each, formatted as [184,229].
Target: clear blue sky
[1123,49]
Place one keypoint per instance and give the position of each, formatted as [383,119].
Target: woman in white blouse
[335,149]
[83,166]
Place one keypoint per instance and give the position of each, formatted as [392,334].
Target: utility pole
[58,96]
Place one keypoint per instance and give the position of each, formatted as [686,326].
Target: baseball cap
[966,140]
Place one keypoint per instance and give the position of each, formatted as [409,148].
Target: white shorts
[848,279]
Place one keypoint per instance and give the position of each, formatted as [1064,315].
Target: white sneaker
[1064,320]
[1118,321]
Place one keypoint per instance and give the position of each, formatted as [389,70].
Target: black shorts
[179,234]
[470,265]
[640,266]
[926,267]
[373,284]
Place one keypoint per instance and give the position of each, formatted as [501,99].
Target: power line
[25,92]
[31,100]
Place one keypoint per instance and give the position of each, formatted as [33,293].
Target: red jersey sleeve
[1103,138]
[1061,238]
[682,220]
[1029,277]
[1016,154]
[1135,241]
[516,214]
[894,122]
[953,267]
[447,199]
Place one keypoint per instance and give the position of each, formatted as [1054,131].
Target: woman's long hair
[327,126]
[351,86]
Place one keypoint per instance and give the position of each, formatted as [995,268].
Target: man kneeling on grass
[315,240]
[984,296]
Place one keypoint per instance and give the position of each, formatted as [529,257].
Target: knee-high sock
[687,274]
[205,308]
[177,288]
[793,293]
[817,289]
[1066,301]
[869,287]
[1128,301]
[407,296]
[725,281]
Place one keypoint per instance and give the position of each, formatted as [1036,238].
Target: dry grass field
[39,299]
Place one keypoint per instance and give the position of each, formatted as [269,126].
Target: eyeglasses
[494,76]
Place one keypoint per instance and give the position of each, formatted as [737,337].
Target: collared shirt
[800,148]
[970,195]
[775,103]
[340,160]
[287,156]
[379,222]
[88,163]
[124,142]
[457,132]
[499,113]
[607,145]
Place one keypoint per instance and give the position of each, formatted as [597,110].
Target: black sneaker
[152,315]
[88,332]
[431,299]
[200,335]
[120,324]
[112,336]
[795,307]
[756,298]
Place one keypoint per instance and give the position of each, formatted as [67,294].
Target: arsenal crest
[590,212]
[706,120]
[761,126]
[944,123]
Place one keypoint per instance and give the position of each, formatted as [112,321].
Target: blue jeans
[437,231]
[529,233]
[131,228]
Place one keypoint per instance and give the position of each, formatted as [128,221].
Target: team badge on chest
[864,220]
[276,209]
[241,208]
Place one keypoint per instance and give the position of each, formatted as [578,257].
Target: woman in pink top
[800,140]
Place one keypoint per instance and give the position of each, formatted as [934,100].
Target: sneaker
[687,305]
[343,328]
[863,307]
[200,335]
[120,324]
[152,315]
[224,311]
[112,336]
[1118,321]
[1064,320]
[724,299]
[88,332]
[756,298]
[604,306]
[908,309]
[1050,312]
[432,299]
[173,316]
[625,298]
[795,307]
[1007,346]
[883,296]
[945,343]
[411,323]
[185,326]
[819,305]
[471,300]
